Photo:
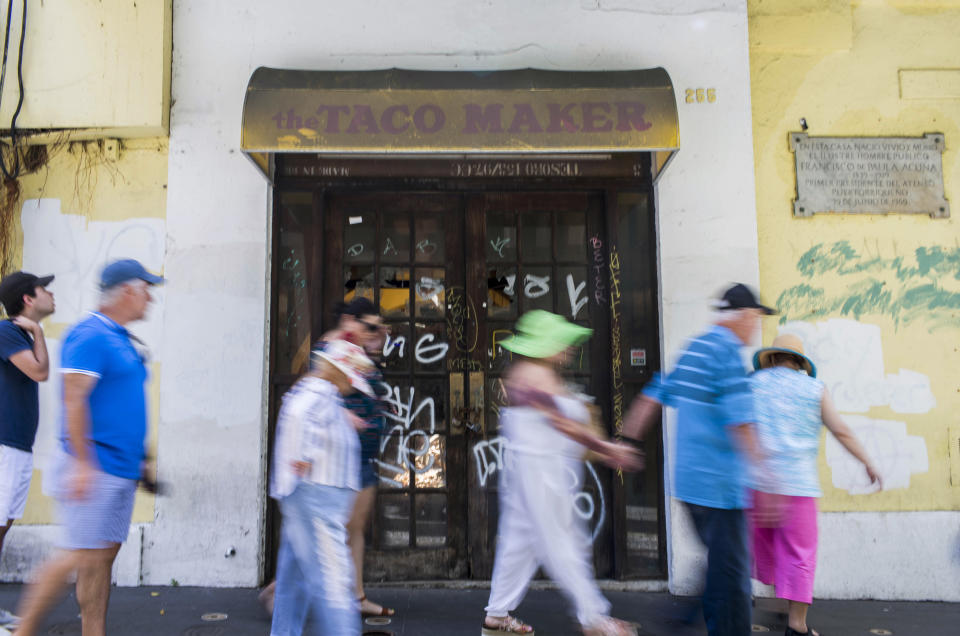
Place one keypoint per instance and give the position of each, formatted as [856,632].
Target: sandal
[505,625]
[792,632]
[609,626]
[384,611]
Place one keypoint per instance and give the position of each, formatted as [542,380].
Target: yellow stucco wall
[843,280]
[92,65]
[82,208]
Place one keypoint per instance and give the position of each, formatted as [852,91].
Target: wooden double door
[451,272]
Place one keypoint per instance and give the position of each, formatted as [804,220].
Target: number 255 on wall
[700,95]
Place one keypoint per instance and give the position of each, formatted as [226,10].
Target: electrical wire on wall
[13,171]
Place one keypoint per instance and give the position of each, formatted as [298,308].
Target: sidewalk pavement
[191,611]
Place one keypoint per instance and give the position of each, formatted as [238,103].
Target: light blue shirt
[711,391]
[788,404]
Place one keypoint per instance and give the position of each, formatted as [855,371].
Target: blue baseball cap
[126,269]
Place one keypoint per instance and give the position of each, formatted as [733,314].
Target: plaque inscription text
[869,175]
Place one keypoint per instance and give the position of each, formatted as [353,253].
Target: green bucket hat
[541,334]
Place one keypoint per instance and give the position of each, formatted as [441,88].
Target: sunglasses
[372,326]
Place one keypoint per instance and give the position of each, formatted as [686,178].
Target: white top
[313,426]
[528,430]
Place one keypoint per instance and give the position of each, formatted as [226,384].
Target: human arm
[32,360]
[836,425]
[76,392]
[524,389]
[644,411]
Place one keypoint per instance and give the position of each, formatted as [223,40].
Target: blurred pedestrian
[315,478]
[547,430]
[791,406]
[103,447]
[359,323]
[23,364]
[715,439]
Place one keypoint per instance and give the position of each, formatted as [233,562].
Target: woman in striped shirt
[315,477]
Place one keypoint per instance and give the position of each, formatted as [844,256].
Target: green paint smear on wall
[912,294]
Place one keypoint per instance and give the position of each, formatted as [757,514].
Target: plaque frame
[809,202]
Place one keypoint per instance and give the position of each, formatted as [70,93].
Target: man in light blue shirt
[715,438]
[103,437]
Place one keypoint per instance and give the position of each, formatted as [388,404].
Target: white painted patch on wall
[75,249]
[897,455]
[849,359]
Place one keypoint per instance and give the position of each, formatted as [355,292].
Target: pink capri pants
[786,556]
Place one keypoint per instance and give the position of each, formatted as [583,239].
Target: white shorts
[16,469]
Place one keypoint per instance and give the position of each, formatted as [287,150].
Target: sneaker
[8,619]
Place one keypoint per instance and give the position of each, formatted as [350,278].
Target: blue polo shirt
[101,348]
[19,404]
[711,391]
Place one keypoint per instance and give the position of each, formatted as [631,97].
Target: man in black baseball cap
[739,296]
[23,363]
[715,446]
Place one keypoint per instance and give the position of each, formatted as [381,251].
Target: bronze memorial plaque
[869,175]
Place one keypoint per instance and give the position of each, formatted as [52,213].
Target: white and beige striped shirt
[314,427]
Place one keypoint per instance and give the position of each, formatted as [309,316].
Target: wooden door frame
[319,318]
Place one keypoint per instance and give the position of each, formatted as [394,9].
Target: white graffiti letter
[536,286]
[511,279]
[574,291]
[426,353]
[394,344]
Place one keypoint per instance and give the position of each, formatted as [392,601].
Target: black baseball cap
[741,297]
[15,285]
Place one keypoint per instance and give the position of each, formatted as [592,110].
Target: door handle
[476,420]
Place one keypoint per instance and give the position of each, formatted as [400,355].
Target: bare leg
[93,589]
[359,517]
[46,591]
[798,617]
[266,596]
[3,532]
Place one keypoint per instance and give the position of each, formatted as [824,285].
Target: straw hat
[350,360]
[542,334]
[784,343]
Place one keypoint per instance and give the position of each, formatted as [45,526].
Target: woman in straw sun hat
[547,431]
[791,405]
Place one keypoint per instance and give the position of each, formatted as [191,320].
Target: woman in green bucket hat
[547,433]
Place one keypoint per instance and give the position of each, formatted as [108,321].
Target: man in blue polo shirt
[715,439]
[23,363]
[103,436]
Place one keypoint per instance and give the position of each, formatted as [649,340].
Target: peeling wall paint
[75,249]
[840,280]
